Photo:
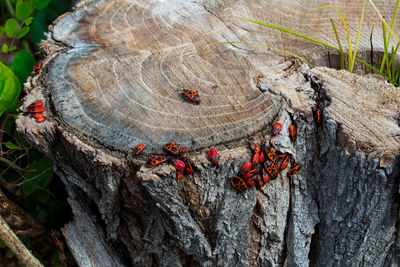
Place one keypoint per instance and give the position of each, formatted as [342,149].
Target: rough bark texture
[112,79]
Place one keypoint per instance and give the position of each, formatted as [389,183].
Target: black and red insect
[36,68]
[213,156]
[239,183]
[252,181]
[271,168]
[139,148]
[188,167]
[262,156]
[155,160]
[192,95]
[318,116]
[36,109]
[285,162]
[247,170]
[172,148]
[37,103]
[292,132]
[178,164]
[39,117]
[256,159]
[260,182]
[295,170]
[256,148]
[276,128]
[183,152]
[266,178]
[178,175]
[270,153]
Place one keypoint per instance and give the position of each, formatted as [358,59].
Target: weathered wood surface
[112,79]
[128,61]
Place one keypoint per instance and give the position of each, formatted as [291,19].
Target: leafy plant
[26,174]
[10,88]
[387,69]
[22,16]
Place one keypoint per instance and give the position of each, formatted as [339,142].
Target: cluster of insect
[265,164]
[264,167]
[178,158]
[36,110]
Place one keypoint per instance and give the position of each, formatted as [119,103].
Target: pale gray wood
[84,237]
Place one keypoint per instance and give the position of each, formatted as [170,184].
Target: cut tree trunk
[113,77]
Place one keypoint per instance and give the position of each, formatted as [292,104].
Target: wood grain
[120,80]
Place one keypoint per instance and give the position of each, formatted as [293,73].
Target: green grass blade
[384,21]
[312,40]
[351,65]
[386,55]
[347,32]
[387,41]
[385,46]
[397,73]
[339,44]
[395,13]
[389,69]
[392,64]
[269,47]
[393,20]
[397,77]
[392,71]
[292,32]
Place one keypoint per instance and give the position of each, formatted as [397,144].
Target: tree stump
[112,78]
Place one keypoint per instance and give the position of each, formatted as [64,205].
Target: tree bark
[113,77]
[24,256]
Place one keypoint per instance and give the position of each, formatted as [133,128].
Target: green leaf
[40,4]
[38,176]
[38,28]
[12,48]
[4,48]
[1,30]
[22,65]
[28,21]
[10,88]
[42,196]
[23,32]
[11,145]
[56,8]
[11,27]
[23,9]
